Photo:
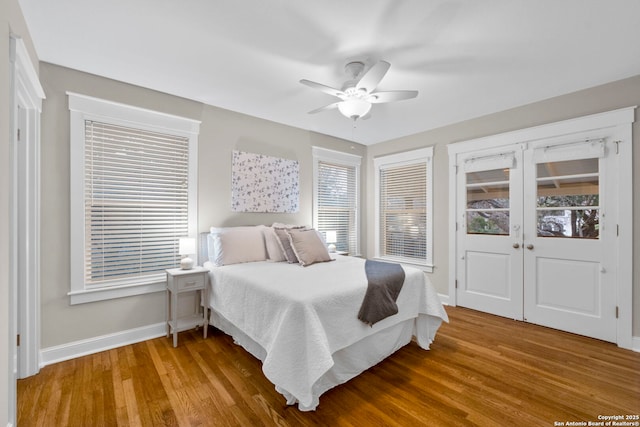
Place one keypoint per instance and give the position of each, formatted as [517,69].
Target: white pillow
[308,246]
[234,245]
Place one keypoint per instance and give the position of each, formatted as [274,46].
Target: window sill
[427,268]
[113,292]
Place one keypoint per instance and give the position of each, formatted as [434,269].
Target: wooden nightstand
[180,281]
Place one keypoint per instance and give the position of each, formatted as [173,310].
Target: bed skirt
[348,362]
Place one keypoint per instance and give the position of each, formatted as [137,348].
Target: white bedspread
[302,315]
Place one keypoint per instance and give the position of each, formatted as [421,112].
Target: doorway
[537,229]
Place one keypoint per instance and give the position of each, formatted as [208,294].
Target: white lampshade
[186,247]
[331,238]
[354,108]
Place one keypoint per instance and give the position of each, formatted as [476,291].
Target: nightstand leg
[174,317]
[206,321]
[167,312]
[205,309]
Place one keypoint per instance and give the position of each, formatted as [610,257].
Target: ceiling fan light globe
[354,108]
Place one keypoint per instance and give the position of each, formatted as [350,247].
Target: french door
[536,233]
[489,235]
[570,274]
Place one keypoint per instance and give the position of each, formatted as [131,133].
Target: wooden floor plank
[481,370]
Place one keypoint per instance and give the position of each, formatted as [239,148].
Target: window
[568,199]
[335,200]
[132,197]
[488,200]
[403,215]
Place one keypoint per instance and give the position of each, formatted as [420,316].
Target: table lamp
[331,238]
[187,246]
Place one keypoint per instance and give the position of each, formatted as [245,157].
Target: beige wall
[221,132]
[607,97]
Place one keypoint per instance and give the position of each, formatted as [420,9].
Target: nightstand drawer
[186,283]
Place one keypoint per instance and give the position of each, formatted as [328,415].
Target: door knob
[516,245]
[530,246]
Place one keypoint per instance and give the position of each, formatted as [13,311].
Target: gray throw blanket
[384,284]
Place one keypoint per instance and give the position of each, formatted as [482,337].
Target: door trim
[27,93]
[617,121]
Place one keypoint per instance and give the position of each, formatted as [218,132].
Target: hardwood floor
[482,370]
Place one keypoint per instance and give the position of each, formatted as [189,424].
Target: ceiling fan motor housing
[354,69]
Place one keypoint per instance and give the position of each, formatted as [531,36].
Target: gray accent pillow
[285,245]
[308,246]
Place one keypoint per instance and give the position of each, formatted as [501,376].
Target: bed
[301,321]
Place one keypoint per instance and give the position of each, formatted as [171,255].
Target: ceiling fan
[357,93]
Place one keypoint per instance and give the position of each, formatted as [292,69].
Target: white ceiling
[466,57]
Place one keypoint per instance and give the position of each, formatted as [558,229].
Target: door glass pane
[488,202]
[568,199]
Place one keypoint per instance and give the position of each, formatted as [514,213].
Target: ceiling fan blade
[372,77]
[323,88]
[391,96]
[325,108]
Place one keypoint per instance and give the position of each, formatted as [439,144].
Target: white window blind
[136,202]
[404,207]
[337,208]
[403,199]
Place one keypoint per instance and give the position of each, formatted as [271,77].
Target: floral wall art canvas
[262,183]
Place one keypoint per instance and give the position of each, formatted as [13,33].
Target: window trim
[321,154]
[81,108]
[422,155]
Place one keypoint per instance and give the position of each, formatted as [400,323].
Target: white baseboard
[101,343]
[444,299]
